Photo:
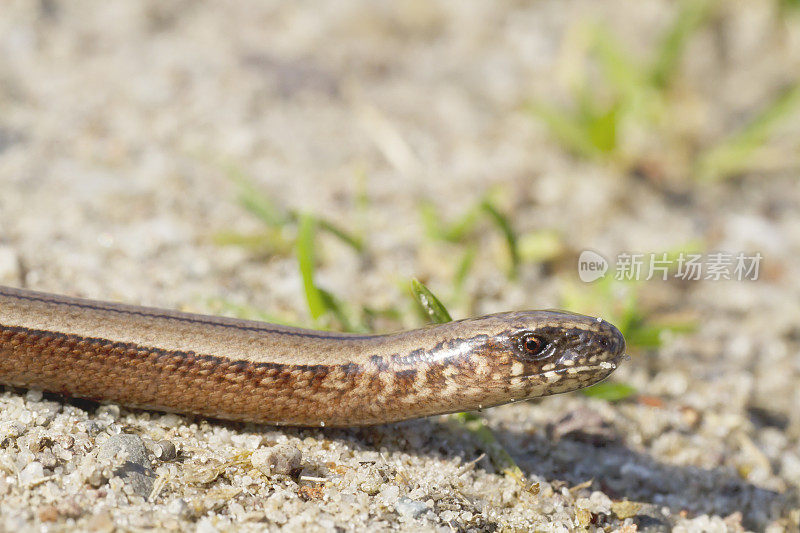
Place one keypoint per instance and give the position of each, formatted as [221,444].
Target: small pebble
[92,427]
[96,478]
[48,459]
[409,508]
[164,450]
[110,411]
[371,484]
[134,470]
[178,507]
[131,446]
[10,431]
[66,441]
[40,443]
[283,459]
[389,494]
[170,420]
[32,472]
[33,395]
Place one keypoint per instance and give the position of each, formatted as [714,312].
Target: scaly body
[253,371]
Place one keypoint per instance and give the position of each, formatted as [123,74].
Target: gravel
[281,460]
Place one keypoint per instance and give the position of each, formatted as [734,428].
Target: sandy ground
[119,124]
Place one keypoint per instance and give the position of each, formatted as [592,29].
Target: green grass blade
[650,335]
[618,67]
[602,129]
[435,310]
[566,129]
[500,458]
[733,155]
[504,225]
[305,260]
[464,268]
[429,215]
[351,240]
[437,228]
[691,16]
[271,241]
[258,204]
[255,201]
[461,228]
[263,209]
[540,246]
[335,307]
[611,392]
[789,7]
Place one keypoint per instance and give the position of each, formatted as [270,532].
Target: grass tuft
[464,230]
[619,99]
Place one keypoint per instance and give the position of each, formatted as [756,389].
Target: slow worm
[254,371]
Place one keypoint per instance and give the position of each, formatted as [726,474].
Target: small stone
[32,472]
[170,420]
[33,395]
[46,412]
[131,447]
[409,508]
[96,478]
[236,510]
[48,459]
[283,459]
[625,509]
[130,455]
[164,450]
[110,411]
[39,444]
[650,519]
[10,431]
[389,494]
[583,517]
[62,454]
[597,503]
[66,441]
[448,515]
[178,507]
[371,484]
[91,427]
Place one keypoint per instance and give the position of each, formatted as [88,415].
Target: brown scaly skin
[253,371]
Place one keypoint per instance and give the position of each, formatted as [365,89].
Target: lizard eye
[532,345]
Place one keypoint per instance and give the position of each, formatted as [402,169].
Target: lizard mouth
[602,368]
